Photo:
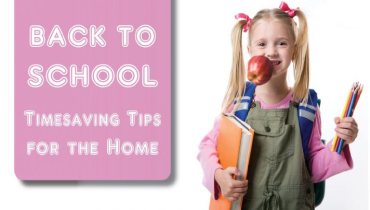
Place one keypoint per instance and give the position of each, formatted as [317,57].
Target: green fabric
[319,189]
[319,192]
[277,176]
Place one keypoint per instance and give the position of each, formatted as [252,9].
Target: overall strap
[306,113]
[245,103]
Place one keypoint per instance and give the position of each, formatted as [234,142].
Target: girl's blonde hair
[236,85]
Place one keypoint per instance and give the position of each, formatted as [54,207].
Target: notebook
[234,146]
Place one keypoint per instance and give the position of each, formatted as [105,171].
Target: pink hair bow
[244,17]
[284,7]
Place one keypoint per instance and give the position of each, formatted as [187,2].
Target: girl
[286,183]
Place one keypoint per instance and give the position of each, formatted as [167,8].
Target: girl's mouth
[275,63]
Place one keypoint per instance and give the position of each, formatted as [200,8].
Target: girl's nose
[271,52]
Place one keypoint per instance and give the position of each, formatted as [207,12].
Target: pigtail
[236,85]
[301,60]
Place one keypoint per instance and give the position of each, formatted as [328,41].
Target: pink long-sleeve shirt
[322,163]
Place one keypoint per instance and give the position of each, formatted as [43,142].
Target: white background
[339,49]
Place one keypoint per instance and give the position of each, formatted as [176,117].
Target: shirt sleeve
[322,162]
[208,157]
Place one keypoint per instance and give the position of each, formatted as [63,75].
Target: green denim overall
[277,176]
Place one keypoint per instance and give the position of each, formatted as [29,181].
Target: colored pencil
[335,140]
[358,97]
[349,113]
[351,104]
[353,90]
[357,94]
[345,114]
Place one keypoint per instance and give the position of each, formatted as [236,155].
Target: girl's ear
[249,51]
[293,56]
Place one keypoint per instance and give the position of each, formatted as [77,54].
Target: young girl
[277,176]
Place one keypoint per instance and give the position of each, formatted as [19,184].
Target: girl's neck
[274,90]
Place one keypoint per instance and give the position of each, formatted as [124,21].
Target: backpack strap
[306,113]
[245,103]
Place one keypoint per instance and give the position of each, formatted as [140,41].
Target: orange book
[234,146]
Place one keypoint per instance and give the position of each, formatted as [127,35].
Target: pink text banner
[92,89]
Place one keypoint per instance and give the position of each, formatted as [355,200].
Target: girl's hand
[231,189]
[346,129]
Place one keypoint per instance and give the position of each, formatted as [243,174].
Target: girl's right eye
[261,44]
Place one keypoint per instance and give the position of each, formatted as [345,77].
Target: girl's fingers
[344,131]
[346,138]
[345,121]
[350,133]
[233,197]
[239,189]
[349,120]
[238,183]
[336,120]
[346,125]
[244,192]
[236,195]
[245,189]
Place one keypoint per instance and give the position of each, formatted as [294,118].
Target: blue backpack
[306,115]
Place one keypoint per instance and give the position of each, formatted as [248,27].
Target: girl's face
[272,39]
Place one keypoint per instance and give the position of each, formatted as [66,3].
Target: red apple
[259,70]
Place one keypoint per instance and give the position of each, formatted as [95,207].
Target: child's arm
[208,157]
[322,162]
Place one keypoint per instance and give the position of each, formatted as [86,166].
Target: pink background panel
[92,99]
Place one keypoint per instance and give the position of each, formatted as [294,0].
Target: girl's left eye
[281,43]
